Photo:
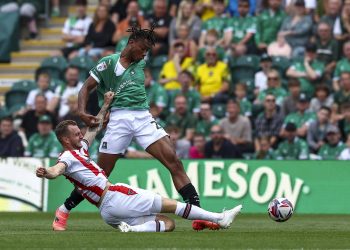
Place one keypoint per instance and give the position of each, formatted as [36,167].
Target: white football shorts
[124,125]
[134,206]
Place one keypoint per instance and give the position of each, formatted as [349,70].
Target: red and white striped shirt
[84,173]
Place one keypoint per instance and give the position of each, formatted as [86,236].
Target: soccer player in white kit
[122,206]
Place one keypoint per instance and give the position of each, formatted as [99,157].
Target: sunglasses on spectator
[273,78]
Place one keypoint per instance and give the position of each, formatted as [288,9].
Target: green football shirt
[279,93]
[129,87]
[306,85]
[186,122]
[240,27]
[268,25]
[203,127]
[43,146]
[328,152]
[193,99]
[245,107]
[297,150]
[342,66]
[215,23]
[300,119]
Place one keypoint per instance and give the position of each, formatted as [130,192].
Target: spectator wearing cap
[293,147]
[198,148]
[301,118]
[260,78]
[345,154]
[269,122]
[205,120]
[168,76]
[280,47]
[273,87]
[240,31]
[322,97]
[10,142]
[213,78]
[219,147]
[193,98]
[309,71]
[236,127]
[343,94]
[75,29]
[333,146]
[182,118]
[289,104]
[44,143]
[30,119]
[297,28]
[343,65]
[265,151]
[316,133]
[327,48]
[268,24]
[71,86]
[181,146]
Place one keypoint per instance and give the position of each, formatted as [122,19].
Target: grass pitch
[88,231]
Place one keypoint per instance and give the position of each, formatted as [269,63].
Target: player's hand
[41,172]
[108,97]
[90,120]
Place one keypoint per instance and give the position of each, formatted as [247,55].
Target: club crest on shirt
[132,72]
[104,145]
[101,66]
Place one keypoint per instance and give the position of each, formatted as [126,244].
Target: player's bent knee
[169,225]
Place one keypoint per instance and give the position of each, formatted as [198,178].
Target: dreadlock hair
[137,33]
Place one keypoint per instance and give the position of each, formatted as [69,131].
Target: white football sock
[150,226]
[191,212]
[63,209]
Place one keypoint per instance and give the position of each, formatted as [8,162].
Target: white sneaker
[229,216]
[124,227]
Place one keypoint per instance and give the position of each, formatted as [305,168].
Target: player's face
[75,137]
[139,50]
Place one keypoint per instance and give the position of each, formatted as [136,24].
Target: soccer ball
[280,209]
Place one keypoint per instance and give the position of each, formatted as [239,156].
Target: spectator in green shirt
[268,24]
[334,146]
[44,143]
[344,120]
[240,30]
[343,94]
[182,118]
[301,118]
[211,39]
[308,71]
[241,96]
[193,98]
[206,120]
[342,66]
[292,148]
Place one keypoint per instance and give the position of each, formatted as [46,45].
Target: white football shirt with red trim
[84,173]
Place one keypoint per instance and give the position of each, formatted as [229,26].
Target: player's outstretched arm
[92,131]
[52,172]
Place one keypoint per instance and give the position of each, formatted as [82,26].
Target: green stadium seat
[15,100]
[281,64]
[244,68]
[54,66]
[85,64]
[26,85]
[219,110]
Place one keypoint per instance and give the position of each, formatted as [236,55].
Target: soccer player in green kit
[123,73]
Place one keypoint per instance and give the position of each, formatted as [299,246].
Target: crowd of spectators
[266,79]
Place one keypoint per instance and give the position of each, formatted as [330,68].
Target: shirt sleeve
[97,71]
[65,29]
[65,159]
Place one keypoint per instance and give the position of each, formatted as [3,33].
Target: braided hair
[145,34]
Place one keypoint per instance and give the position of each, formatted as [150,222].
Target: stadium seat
[26,85]
[156,65]
[281,64]
[54,66]
[219,110]
[244,68]
[85,64]
[15,100]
